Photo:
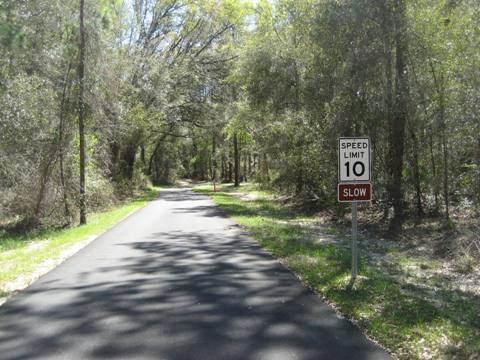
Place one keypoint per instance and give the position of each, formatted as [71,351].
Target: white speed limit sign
[353,159]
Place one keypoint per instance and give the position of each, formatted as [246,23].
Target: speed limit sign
[354,181]
[354,159]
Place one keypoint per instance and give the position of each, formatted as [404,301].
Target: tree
[399,118]
[81,114]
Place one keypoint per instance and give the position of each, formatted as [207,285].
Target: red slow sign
[348,192]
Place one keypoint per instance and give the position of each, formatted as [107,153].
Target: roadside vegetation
[405,298]
[99,98]
[26,256]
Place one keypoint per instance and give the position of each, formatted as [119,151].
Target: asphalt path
[176,280]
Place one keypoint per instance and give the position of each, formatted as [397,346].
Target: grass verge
[23,258]
[391,312]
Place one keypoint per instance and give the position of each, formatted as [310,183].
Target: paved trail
[178,281]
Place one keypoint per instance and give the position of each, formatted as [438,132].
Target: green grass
[20,255]
[393,313]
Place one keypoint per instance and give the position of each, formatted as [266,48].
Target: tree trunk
[44,177]
[387,49]
[299,179]
[61,144]
[214,158]
[142,155]
[389,83]
[264,169]
[434,170]
[439,85]
[478,171]
[154,153]
[81,115]
[127,162]
[64,189]
[245,167]
[114,160]
[152,159]
[416,174]
[431,133]
[223,171]
[210,168]
[445,155]
[230,171]
[397,128]
[236,159]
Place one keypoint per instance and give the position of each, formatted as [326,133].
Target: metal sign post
[354,241]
